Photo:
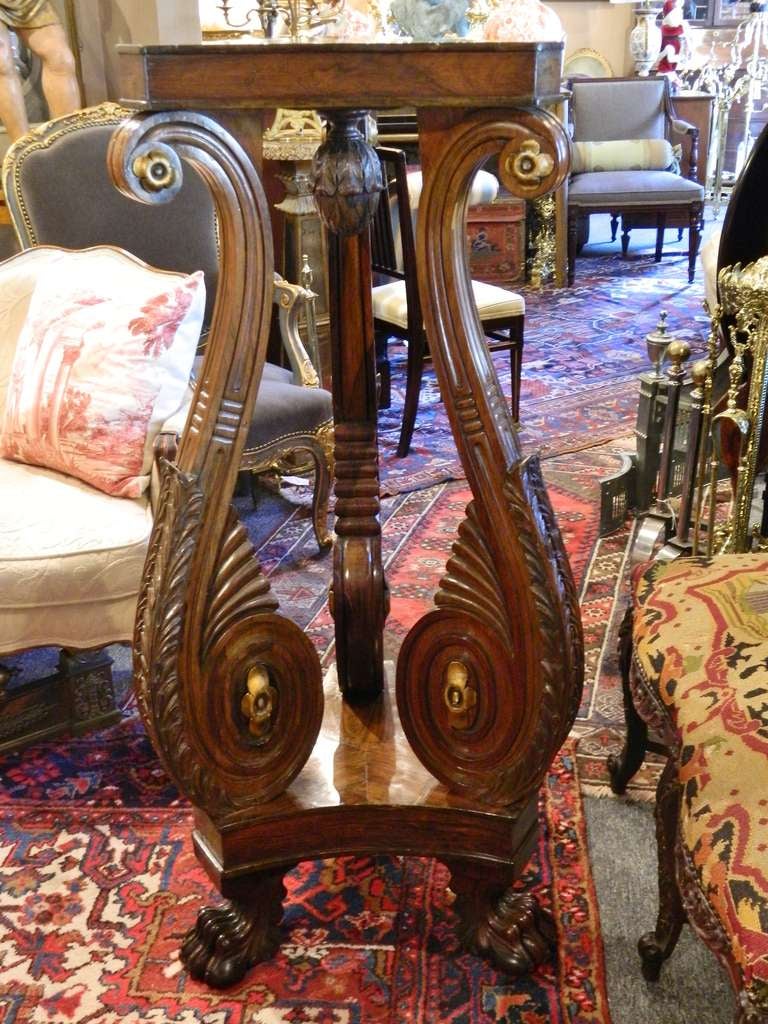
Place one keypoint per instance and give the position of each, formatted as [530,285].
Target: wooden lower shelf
[363,791]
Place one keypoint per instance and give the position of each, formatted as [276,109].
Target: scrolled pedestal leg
[225,942]
[506,926]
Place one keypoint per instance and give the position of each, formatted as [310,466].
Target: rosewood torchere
[449,760]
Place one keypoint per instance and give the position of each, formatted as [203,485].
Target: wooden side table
[447,763]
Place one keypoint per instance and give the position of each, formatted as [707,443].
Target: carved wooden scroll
[488,684]
[229,690]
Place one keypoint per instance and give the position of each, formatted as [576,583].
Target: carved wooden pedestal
[448,760]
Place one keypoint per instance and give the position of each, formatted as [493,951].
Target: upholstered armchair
[72,546]
[623,131]
[59,192]
[77,513]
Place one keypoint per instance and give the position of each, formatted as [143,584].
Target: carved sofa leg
[623,767]
[656,946]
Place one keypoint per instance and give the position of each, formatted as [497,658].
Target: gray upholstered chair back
[58,186]
[605,108]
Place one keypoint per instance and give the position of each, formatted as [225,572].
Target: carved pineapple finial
[347,176]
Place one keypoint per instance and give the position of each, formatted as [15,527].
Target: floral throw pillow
[103,359]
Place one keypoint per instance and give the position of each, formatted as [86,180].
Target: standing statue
[38,25]
[674,41]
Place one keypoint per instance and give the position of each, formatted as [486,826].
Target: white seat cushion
[389,303]
[484,188]
[71,559]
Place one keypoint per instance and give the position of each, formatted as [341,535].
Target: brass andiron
[659,521]
[736,432]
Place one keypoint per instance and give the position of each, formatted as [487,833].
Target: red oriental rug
[96,899]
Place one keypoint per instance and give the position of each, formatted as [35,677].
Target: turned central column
[347,183]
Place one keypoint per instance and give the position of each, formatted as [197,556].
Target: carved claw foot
[518,935]
[510,929]
[224,944]
[227,941]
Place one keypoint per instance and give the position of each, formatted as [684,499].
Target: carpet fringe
[603,792]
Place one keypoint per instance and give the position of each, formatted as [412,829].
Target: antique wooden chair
[694,659]
[59,193]
[622,132]
[396,304]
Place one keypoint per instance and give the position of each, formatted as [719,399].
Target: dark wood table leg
[347,184]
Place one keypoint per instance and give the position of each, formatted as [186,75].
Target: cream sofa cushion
[71,559]
[18,277]
[390,305]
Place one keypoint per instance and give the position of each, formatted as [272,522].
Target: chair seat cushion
[390,306]
[484,188]
[701,645]
[71,559]
[636,188]
[284,411]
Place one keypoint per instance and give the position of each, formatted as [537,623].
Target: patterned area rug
[99,881]
[96,900]
[97,874]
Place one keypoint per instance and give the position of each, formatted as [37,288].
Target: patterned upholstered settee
[700,679]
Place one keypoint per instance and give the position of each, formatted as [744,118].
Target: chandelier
[300,17]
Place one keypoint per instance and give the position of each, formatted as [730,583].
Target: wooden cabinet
[496,241]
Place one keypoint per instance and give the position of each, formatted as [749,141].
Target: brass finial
[678,352]
[699,372]
[656,343]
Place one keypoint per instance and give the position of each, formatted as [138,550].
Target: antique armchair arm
[289,298]
[679,127]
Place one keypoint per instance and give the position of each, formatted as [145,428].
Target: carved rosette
[347,175]
[489,683]
[208,634]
